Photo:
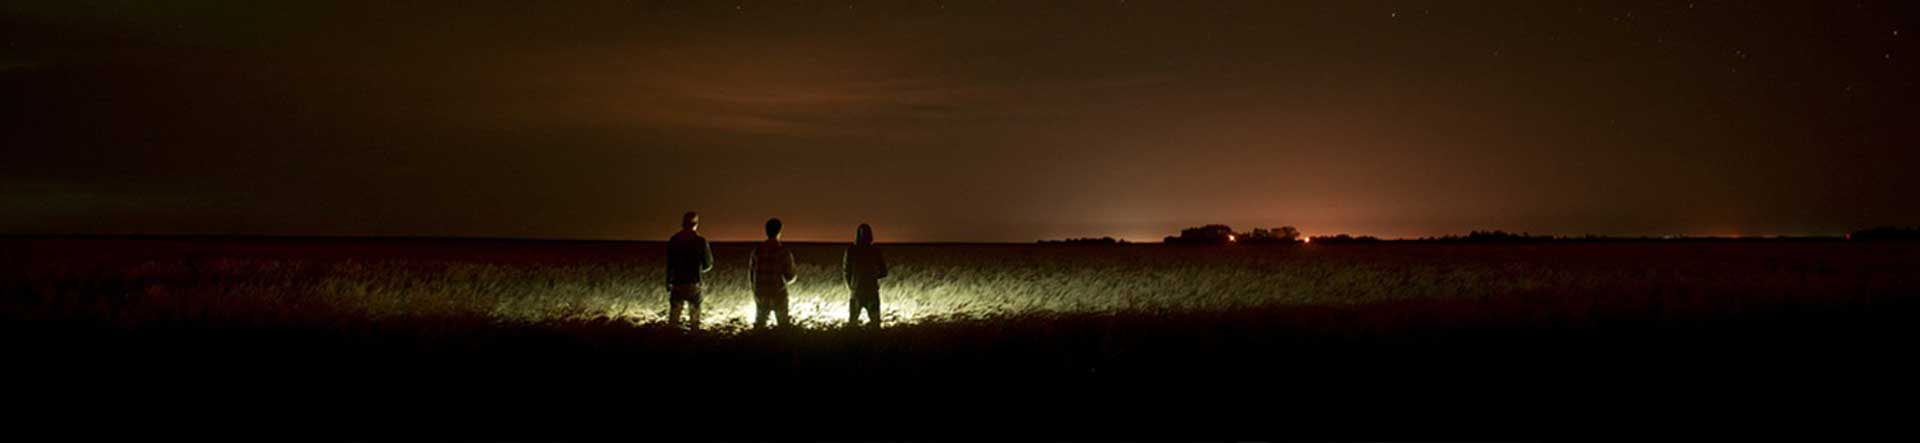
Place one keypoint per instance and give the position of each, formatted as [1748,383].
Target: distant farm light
[1306,239]
[1230,237]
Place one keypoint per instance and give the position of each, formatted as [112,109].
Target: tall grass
[128,285]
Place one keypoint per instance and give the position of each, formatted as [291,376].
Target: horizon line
[158,236]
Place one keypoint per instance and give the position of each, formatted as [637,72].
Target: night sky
[957,121]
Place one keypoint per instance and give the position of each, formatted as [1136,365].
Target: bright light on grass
[928,283]
[806,309]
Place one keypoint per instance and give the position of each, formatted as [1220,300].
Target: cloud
[894,103]
[772,105]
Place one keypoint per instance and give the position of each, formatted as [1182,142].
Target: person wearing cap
[688,256]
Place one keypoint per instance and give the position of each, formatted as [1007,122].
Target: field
[1571,317]
[133,283]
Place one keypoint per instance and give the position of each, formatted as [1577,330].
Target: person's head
[863,235]
[690,220]
[773,228]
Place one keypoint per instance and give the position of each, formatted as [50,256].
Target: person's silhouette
[771,268]
[688,255]
[863,266]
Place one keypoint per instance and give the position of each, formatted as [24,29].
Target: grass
[1008,309]
[1133,336]
[536,283]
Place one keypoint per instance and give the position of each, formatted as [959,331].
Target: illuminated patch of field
[938,283]
[928,284]
[806,307]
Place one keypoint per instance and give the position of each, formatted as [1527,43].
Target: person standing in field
[688,255]
[771,268]
[863,267]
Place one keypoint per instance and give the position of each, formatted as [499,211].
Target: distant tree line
[1281,235]
[1219,234]
[1223,234]
[1085,241]
[1344,238]
[1495,236]
[1209,234]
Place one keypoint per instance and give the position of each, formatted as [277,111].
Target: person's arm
[790,275]
[880,261]
[846,267]
[753,267]
[669,279]
[706,257]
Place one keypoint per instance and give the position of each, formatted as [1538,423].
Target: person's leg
[760,303]
[853,311]
[780,311]
[873,315]
[673,309]
[869,302]
[693,312]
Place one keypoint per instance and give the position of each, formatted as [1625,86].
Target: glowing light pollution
[1003,121]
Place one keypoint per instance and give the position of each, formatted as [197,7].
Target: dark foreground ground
[1620,365]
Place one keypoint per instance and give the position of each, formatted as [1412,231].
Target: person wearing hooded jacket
[863,266]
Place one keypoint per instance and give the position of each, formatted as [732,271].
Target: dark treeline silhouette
[1085,241]
[1344,238]
[1497,236]
[1209,234]
[1885,233]
[1280,235]
[1494,236]
[1218,234]
[1223,234]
